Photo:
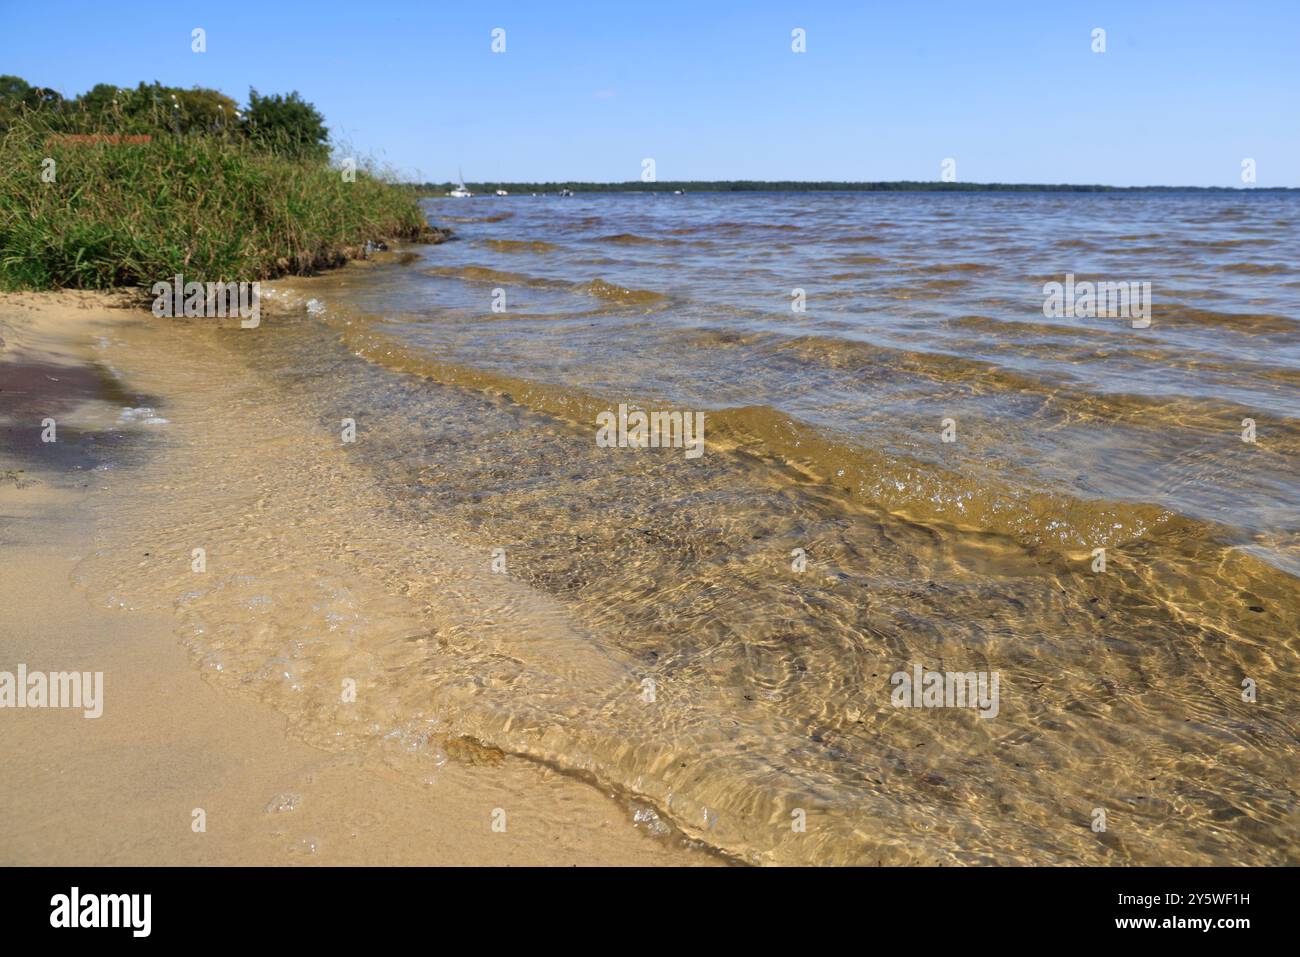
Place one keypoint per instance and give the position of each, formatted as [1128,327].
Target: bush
[215,208]
[287,123]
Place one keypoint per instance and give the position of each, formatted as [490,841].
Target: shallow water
[826,539]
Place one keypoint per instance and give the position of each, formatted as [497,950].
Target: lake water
[906,465]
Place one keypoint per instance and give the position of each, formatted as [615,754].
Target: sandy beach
[124,788]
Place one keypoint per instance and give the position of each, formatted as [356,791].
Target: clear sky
[712,90]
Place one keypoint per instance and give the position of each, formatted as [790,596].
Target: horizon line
[711,185]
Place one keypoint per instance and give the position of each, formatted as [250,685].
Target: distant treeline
[287,124]
[801,186]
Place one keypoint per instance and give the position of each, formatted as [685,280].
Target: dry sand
[123,788]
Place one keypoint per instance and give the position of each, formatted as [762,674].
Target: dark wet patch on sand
[33,390]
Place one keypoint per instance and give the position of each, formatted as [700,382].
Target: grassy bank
[122,212]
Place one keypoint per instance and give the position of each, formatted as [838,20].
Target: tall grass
[122,213]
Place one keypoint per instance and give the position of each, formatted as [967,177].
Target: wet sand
[123,788]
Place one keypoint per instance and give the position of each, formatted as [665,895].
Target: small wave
[965,267]
[482,274]
[520,245]
[1136,411]
[499,217]
[931,494]
[1227,243]
[917,490]
[1256,269]
[142,415]
[620,294]
[1236,321]
[628,239]
[1154,251]
[734,229]
[929,289]
[1002,327]
[607,291]
[860,260]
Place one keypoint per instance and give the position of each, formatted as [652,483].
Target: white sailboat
[460,192]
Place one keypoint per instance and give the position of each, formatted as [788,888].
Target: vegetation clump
[123,187]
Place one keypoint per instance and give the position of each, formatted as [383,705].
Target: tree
[13,94]
[287,124]
[284,124]
[16,94]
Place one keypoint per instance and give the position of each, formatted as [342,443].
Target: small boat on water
[460,191]
[566,191]
[502,192]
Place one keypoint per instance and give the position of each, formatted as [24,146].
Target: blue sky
[711,90]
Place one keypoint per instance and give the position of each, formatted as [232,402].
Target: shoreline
[123,788]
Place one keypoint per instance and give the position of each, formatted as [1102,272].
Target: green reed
[210,206]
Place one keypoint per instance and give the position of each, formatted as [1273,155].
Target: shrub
[215,208]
